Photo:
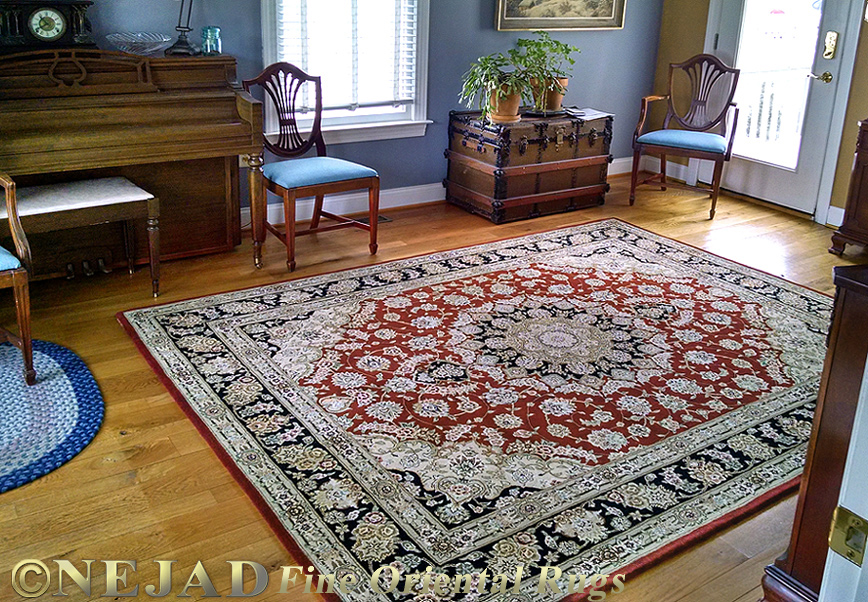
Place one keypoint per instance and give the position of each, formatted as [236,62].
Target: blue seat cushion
[699,141]
[311,171]
[8,261]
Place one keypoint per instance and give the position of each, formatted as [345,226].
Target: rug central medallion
[525,378]
[579,398]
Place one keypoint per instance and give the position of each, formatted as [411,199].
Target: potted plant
[546,63]
[498,85]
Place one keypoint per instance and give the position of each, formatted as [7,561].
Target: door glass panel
[776,52]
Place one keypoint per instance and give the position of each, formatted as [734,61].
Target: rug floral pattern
[578,398]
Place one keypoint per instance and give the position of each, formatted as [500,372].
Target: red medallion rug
[589,399]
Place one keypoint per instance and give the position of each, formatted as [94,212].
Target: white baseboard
[621,166]
[835,217]
[686,173]
[675,170]
[394,198]
[357,202]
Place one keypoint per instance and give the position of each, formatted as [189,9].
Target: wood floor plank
[680,577]
[187,442]
[169,540]
[755,595]
[735,583]
[125,510]
[176,477]
[753,536]
[7,511]
[149,487]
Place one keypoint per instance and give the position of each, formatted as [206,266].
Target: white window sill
[368,132]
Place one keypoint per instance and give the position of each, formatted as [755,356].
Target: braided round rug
[44,426]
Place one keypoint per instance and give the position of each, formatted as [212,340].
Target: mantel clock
[44,24]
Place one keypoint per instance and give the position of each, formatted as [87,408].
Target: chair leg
[374,213]
[22,307]
[258,205]
[715,187]
[289,218]
[662,172]
[635,176]
[317,212]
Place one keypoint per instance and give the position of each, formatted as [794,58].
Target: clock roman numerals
[47,24]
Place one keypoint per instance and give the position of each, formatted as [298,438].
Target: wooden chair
[703,130]
[308,176]
[14,273]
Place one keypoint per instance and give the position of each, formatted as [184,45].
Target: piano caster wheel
[70,272]
[102,267]
[85,267]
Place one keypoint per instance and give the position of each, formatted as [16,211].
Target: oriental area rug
[589,399]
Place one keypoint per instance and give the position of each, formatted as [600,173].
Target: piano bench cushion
[52,198]
[8,261]
[312,171]
[698,141]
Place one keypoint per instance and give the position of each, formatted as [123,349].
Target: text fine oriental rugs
[589,399]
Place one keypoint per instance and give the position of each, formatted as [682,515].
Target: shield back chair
[702,132]
[14,273]
[313,176]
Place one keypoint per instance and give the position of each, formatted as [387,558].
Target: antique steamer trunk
[537,166]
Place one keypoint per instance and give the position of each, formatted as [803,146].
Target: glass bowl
[141,42]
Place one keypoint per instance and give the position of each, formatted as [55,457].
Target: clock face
[47,24]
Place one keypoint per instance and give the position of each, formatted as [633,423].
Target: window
[370,54]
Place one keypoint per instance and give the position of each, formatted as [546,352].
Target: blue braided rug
[44,426]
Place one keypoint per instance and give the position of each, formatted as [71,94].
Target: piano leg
[130,245]
[154,244]
[258,208]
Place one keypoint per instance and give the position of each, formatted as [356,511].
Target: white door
[785,133]
[843,581]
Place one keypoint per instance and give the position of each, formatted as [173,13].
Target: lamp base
[182,47]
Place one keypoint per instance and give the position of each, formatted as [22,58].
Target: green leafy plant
[490,75]
[546,61]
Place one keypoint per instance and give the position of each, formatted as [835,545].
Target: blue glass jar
[212,45]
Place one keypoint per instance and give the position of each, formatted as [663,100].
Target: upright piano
[173,126]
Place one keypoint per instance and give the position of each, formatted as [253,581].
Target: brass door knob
[826,77]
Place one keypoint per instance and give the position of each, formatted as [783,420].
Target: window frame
[364,130]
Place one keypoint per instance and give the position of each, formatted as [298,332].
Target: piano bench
[91,202]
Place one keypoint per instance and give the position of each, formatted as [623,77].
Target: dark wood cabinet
[535,167]
[855,226]
[796,577]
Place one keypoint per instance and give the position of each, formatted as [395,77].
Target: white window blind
[365,51]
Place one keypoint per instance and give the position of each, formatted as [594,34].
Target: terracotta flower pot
[552,99]
[505,108]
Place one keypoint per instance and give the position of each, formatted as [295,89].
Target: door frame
[843,581]
[847,52]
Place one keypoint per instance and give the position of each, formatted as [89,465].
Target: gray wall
[614,70]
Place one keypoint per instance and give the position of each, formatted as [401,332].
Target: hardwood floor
[149,487]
